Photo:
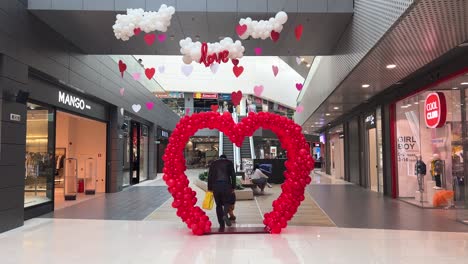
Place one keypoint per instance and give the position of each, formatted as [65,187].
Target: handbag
[208,201]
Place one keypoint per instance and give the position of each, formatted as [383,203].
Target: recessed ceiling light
[391,66]
[302,59]
[416,102]
[308,65]
[465,44]
[365,85]
[327,114]
[317,123]
[336,108]
[454,88]
[464,83]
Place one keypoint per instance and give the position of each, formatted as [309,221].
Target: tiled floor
[51,241]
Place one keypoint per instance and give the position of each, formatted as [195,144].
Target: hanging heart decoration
[161,69]
[214,108]
[236,98]
[136,76]
[149,105]
[275,36]
[263,28]
[187,70]
[187,111]
[122,111]
[298,60]
[209,53]
[275,70]
[258,90]
[137,20]
[162,37]
[214,68]
[150,73]
[299,109]
[258,51]
[149,39]
[121,91]
[235,62]
[298,31]
[238,70]
[297,174]
[136,108]
[122,67]
[299,86]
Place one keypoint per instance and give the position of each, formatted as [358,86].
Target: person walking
[222,182]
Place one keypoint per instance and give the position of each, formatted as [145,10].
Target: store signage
[435,110]
[15,117]
[225,97]
[169,95]
[72,100]
[370,121]
[164,134]
[205,96]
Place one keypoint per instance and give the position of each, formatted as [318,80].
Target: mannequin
[437,168]
[420,171]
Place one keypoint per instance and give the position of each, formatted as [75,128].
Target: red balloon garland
[298,166]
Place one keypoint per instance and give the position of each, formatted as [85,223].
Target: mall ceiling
[88,24]
[427,32]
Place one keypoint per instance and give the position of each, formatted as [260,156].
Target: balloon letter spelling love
[298,166]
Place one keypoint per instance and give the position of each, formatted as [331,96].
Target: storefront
[336,141]
[373,150]
[430,128]
[201,151]
[161,140]
[66,147]
[136,151]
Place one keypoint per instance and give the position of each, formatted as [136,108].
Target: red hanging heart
[297,173]
[241,29]
[214,108]
[236,98]
[136,31]
[274,35]
[238,70]
[298,31]
[235,61]
[150,73]
[122,67]
[150,38]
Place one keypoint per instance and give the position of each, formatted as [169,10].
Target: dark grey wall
[28,45]
[352,151]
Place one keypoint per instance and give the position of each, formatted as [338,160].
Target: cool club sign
[435,110]
[72,100]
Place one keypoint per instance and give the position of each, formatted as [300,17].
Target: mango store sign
[73,101]
[435,110]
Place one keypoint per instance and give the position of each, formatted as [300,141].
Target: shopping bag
[208,201]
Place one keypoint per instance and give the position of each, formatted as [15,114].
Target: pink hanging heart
[214,68]
[162,37]
[149,39]
[258,51]
[258,90]
[122,90]
[299,86]
[241,29]
[136,76]
[275,70]
[187,111]
[299,109]
[149,105]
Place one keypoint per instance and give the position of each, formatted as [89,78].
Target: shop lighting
[302,59]
[455,88]
[464,83]
[327,114]
[365,85]
[336,108]
[416,102]
[308,65]
[391,66]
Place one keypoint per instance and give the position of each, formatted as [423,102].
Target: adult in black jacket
[222,182]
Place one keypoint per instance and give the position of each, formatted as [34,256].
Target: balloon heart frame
[298,166]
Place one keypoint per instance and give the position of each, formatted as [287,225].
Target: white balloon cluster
[146,21]
[262,29]
[192,50]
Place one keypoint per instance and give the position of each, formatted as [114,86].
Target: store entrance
[138,150]
[80,155]
[372,161]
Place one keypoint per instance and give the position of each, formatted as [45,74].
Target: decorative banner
[297,174]
[275,70]
[150,73]
[136,108]
[298,31]
[299,86]
[237,70]
[435,110]
[136,20]
[258,90]
[263,28]
[236,98]
[122,67]
[208,53]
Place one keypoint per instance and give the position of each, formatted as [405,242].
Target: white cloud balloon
[192,50]
[146,21]
[262,29]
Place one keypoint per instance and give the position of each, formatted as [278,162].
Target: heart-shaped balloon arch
[298,166]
